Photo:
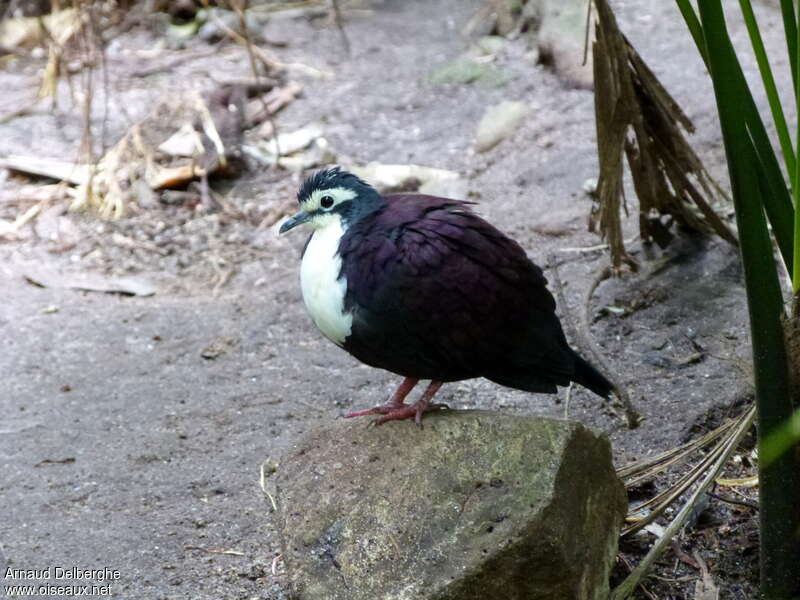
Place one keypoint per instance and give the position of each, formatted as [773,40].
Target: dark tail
[590,378]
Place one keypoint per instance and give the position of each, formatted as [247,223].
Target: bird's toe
[382,409]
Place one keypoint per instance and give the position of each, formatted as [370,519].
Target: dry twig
[272,467]
[268,114]
[272,64]
[336,16]
[587,344]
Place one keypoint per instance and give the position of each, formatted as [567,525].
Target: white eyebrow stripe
[340,194]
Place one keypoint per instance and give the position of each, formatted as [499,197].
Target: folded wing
[439,293]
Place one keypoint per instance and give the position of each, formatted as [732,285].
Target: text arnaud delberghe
[63,573]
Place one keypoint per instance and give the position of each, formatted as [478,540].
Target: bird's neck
[369,201]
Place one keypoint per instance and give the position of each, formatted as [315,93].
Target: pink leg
[417,409]
[395,402]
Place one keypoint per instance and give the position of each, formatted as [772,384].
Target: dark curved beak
[294,221]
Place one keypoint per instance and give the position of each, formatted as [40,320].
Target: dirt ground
[134,428]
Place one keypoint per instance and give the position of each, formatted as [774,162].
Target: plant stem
[776,198]
[695,28]
[779,481]
[790,27]
[795,191]
[771,89]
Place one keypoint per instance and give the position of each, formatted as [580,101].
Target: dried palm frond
[703,474]
[637,117]
[713,443]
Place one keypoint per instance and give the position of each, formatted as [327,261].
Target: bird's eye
[326,201]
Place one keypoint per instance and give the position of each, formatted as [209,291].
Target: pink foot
[396,410]
[413,411]
[394,403]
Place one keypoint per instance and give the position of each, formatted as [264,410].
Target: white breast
[323,289]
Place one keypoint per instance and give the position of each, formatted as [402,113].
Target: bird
[424,287]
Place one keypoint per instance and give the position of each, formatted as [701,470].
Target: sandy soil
[121,446]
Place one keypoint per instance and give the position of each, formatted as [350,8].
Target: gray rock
[561,40]
[476,505]
[465,70]
[491,44]
[498,122]
[211,31]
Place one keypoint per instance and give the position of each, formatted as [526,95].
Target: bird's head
[333,196]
